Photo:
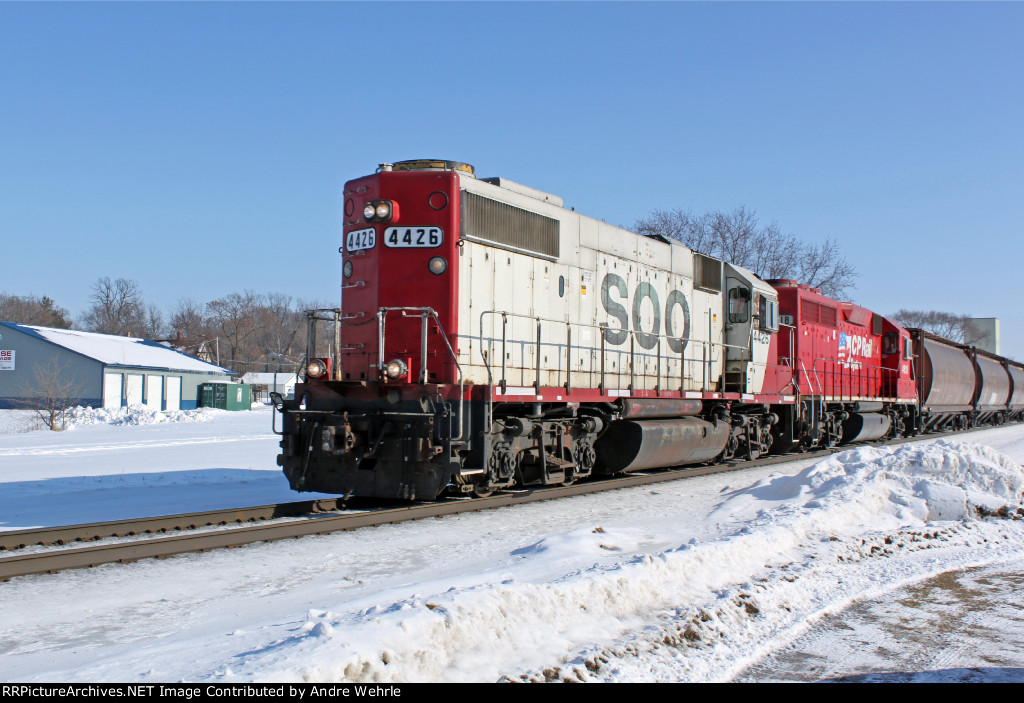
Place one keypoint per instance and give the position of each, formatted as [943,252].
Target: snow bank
[793,547]
[883,488]
[136,415]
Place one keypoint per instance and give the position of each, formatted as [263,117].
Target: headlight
[315,369]
[347,269]
[379,211]
[396,369]
[438,265]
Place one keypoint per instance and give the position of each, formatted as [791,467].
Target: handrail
[422,314]
[811,386]
[874,372]
[601,328]
[716,355]
[707,359]
[312,317]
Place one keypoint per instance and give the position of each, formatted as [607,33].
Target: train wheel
[480,491]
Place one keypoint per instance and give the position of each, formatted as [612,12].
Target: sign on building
[6,360]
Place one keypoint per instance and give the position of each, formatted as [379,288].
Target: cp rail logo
[854,345]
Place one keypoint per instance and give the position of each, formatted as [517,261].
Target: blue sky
[201,149]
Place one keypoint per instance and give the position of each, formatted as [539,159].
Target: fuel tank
[947,377]
[993,384]
[865,427]
[632,445]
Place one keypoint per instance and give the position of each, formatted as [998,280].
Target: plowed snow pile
[135,415]
[790,549]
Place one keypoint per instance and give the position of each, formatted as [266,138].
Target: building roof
[119,351]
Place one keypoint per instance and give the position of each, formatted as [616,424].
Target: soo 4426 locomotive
[488,338]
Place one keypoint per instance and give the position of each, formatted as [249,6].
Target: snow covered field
[117,464]
[755,575]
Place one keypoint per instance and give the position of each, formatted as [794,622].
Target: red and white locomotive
[488,337]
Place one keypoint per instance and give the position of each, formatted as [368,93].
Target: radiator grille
[707,272]
[821,314]
[508,225]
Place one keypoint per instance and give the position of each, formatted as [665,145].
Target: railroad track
[155,526]
[317,517]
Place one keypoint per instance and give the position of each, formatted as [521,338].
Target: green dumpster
[225,396]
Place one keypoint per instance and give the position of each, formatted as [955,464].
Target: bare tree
[823,266]
[279,319]
[51,393]
[693,231]
[234,319]
[773,253]
[252,330]
[29,310]
[738,237]
[956,328]
[117,308]
[189,326]
[154,326]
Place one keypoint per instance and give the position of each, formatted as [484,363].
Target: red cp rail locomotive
[488,337]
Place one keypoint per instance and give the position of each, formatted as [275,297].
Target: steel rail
[162,547]
[91,532]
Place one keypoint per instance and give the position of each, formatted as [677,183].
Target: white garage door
[174,392]
[112,390]
[133,389]
[155,392]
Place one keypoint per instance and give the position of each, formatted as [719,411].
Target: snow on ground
[115,464]
[701,579]
[959,626]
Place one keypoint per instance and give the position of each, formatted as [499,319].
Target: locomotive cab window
[739,305]
[768,312]
[891,343]
[908,351]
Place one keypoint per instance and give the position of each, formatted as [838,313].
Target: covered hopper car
[960,386]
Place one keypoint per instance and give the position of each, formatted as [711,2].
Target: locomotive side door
[739,301]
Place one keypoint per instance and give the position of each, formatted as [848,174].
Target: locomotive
[488,337]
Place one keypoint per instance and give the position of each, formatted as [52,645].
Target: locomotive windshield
[890,343]
[739,305]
